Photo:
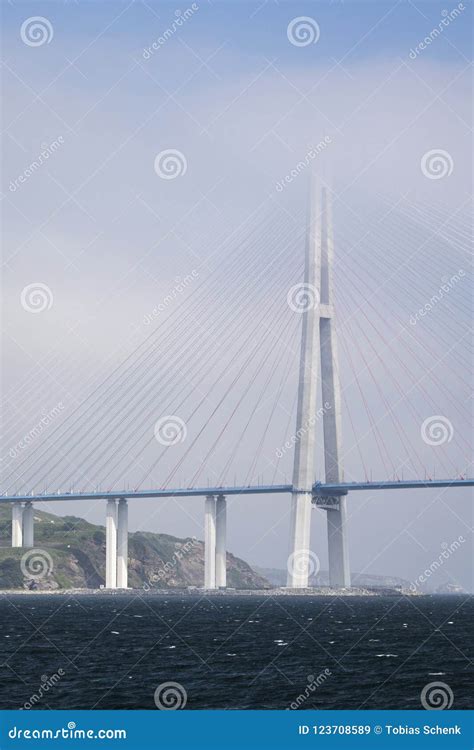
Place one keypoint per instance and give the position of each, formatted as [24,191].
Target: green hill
[76,558]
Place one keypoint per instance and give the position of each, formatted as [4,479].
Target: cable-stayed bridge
[109,436]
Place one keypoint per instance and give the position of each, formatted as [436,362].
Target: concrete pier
[111,545]
[210,542]
[17,525]
[303,469]
[122,544]
[338,553]
[221,542]
[28,525]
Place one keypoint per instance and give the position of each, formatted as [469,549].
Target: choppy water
[233,652]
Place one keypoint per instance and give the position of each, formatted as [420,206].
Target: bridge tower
[318,353]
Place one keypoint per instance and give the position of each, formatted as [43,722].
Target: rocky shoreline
[323,591]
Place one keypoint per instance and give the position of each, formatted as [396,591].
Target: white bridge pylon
[215,555]
[318,355]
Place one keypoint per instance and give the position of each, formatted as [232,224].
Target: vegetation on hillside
[71,554]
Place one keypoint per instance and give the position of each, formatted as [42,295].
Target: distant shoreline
[314,592]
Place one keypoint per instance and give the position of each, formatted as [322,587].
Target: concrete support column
[303,468]
[300,533]
[17,525]
[111,545]
[122,544]
[338,550]
[221,543]
[210,543]
[338,553]
[28,525]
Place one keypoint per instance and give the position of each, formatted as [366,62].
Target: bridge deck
[319,488]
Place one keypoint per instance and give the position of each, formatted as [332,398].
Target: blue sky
[350,30]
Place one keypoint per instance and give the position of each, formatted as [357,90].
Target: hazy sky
[202,263]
